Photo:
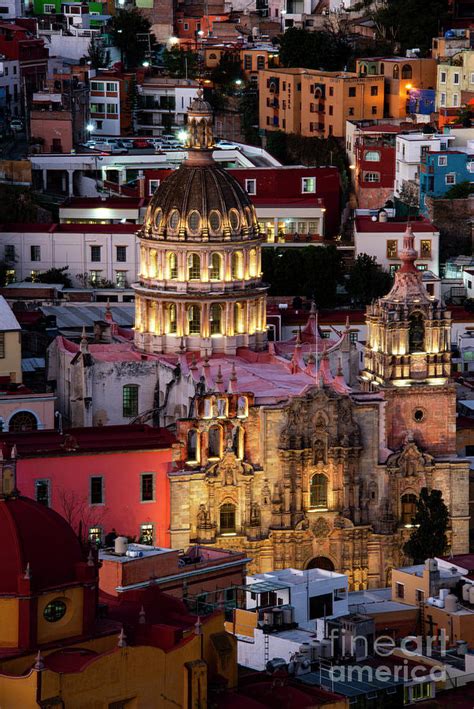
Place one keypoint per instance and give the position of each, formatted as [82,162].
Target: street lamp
[173,40]
[90,127]
[146,64]
[183,136]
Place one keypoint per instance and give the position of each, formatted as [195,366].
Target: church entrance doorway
[320,562]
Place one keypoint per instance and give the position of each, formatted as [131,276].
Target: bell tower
[408,358]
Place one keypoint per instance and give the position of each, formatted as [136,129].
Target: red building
[99,479]
[18,41]
[188,26]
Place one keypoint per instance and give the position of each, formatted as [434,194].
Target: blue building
[421,101]
[439,171]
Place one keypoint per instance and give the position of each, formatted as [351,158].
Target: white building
[73,44]
[10,90]
[101,251]
[384,240]
[408,151]
[11,9]
[163,104]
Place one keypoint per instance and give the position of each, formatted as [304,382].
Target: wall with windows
[439,171]
[454,81]
[125,490]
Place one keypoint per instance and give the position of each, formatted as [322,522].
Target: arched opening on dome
[318,491]
[227,519]
[248,216]
[23,421]
[396,72]
[253,263]
[194,223]
[407,72]
[221,407]
[408,508]
[157,219]
[193,446]
[171,321]
[237,265]
[215,222]
[173,221]
[194,320]
[214,445]
[238,318]
[215,319]
[215,268]
[238,437]
[416,333]
[152,263]
[172,260]
[234,220]
[194,267]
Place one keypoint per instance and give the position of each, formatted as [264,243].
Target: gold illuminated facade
[200,258]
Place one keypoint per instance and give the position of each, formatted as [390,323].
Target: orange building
[317,103]
[401,75]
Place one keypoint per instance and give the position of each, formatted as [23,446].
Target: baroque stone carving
[321,528]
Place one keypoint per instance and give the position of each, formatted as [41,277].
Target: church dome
[201,201]
[38,542]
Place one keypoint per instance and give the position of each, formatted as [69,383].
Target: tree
[322,49]
[17,204]
[367,280]
[181,63]
[410,23]
[248,106]
[128,31]
[77,511]
[428,538]
[97,55]
[55,275]
[227,72]
[459,191]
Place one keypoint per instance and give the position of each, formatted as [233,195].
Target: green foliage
[330,51]
[248,107]
[227,72]
[411,23]
[125,30]
[181,63]
[97,55]
[459,191]
[17,204]
[55,275]
[367,280]
[469,305]
[311,271]
[428,539]
[4,268]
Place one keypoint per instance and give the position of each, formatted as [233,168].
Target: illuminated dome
[200,257]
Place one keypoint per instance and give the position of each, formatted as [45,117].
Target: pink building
[99,479]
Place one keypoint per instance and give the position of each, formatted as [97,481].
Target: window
[421,691]
[251,186]
[215,221]
[96,490]
[308,185]
[111,86]
[23,421]
[372,156]
[374,90]
[320,606]
[331,110]
[331,90]
[35,253]
[425,248]
[194,267]
[172,266]
[442,77]
[260,63]
[227,519]
[442,99]
[354,336]
[121,279]
[146,534]
[374,110]
[171,319]
[318,491]
[456,77]
[95,276]
[55,610]
[214,442]
[392,248]
[194,320]
[407,72]
[147,487]
[9,253]
[408,504]
[420,595]
[393,268]
[215,269]
[450,178]
[237,265]
[42,492]
[97,107]
[215,318]
[121,253]
[130,400]
[442,160]
[238,441]
[455,99]
[396,71]
[97,86]
[112,109]
[95,535]
[400,590]
[48,8]
[238,318]
[352,91]
[248,62]
[152,187]
[371,176]
[193,440]
[95,253]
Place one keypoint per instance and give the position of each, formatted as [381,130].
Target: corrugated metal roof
[32,364]
[77,316]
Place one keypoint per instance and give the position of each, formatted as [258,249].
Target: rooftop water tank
[451,603]
[120,545]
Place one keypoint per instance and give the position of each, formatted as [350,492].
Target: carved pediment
[410,461]
[229,469]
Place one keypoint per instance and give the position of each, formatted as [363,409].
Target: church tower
[200,257]
[408,357]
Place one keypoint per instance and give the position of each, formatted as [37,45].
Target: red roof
[33,534]
[365,224]
[71,228]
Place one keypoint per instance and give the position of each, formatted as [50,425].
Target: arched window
[214,442]
[194,267]
[363,69]
[407,72]
[194,320]
[237,263]
[23,421]
[208,408]
[382,68]
[213,56]
[242,407]
[238,441]
[227,519]
[193,445]
[130,400]
[238,318]
[153,264]
[408,505]
[416,333]
[221,407]
[372,156]
[194,222]
[396,71]
[319,491]
[215,268]
[215,318]
[253,263]
[171,319]
[215,222]
[172,266]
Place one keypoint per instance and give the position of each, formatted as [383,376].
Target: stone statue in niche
[203,516]
[320,421]
[255,514]
[319,451]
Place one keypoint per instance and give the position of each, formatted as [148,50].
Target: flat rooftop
[134,552]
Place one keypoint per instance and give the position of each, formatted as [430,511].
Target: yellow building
[455,81]
[256,59]
[10,344]
[55,651]
[317,103]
